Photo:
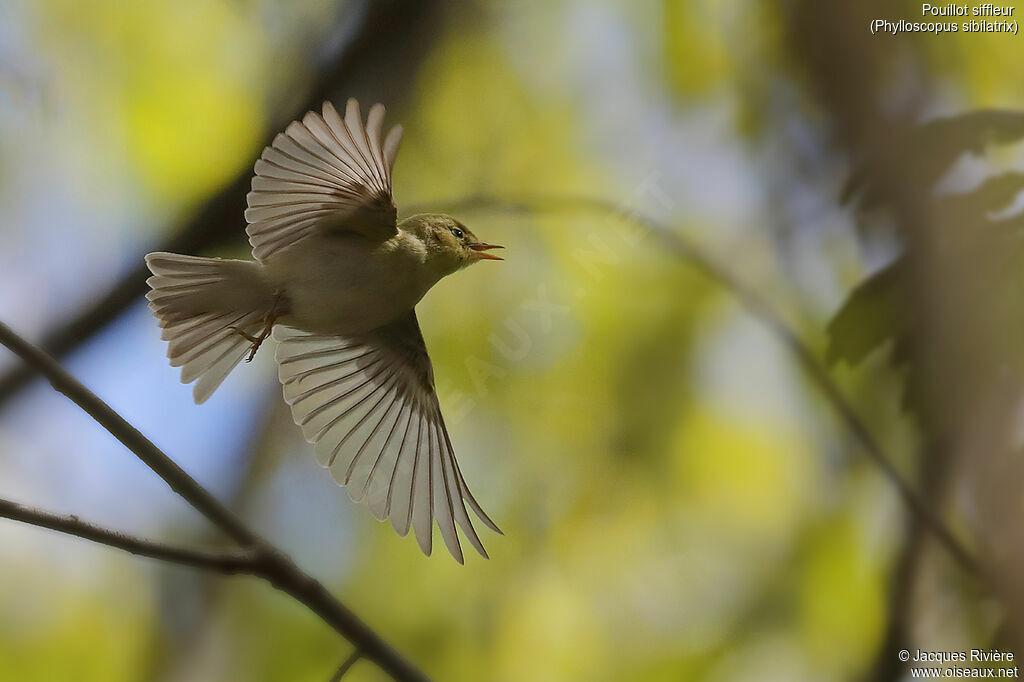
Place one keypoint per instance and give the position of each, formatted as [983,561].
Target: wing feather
[380,475]
[444,511]
[422,505]
[454,482]
[391,144]
[323,173]
[368,406]
[399,506]
[366,462]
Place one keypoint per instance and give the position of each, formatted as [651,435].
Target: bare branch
[227,561]
[266,562]
[179,481]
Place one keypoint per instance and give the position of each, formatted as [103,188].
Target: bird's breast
[346,286]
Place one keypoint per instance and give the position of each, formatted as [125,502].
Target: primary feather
[368,405]
[323,172]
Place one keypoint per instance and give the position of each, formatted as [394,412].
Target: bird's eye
[458,233]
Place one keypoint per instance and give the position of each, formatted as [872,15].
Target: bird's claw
[245,335]
[268,325]
[256,341]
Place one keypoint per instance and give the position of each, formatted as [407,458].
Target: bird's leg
[268,325]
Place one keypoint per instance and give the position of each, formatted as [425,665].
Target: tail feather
[200,302]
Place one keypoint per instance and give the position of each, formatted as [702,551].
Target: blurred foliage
[182,110]
[980,223]
[91,631]
[692,37]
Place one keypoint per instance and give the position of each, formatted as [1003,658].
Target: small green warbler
[335,281]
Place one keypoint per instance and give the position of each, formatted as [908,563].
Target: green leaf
[871,315]
[930,149]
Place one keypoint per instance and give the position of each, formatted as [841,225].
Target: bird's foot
[256,341]
[268,325]
[247,336]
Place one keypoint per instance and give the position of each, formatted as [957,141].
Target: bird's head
[449,244]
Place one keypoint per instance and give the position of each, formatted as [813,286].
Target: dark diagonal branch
[264,560]
[227,561]
[179,481]
[761,308]
[384,36]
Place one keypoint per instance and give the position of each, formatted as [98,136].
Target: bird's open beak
[480,247]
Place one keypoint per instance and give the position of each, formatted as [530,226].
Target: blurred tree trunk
[964,346]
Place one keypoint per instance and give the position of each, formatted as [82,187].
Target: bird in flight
[335,281]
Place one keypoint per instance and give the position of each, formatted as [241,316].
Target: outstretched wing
[369,407]
[324,173]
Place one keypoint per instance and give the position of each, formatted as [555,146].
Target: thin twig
[346,665]
[761,308]
[267,562]
[226,561]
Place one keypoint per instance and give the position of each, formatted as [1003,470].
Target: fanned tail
[200,303]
